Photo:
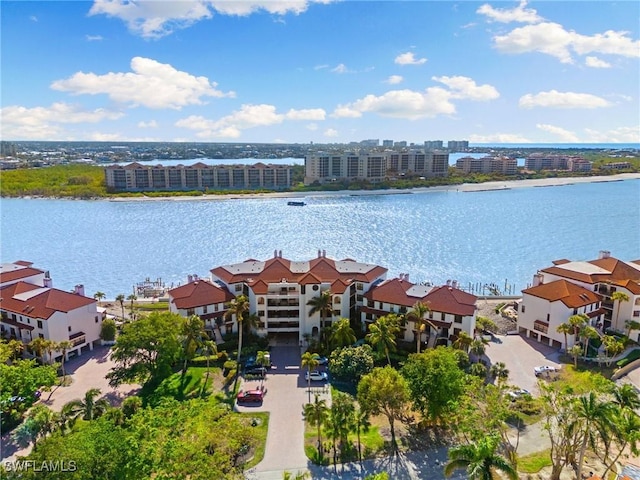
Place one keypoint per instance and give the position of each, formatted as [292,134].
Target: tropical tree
[132,298]
[89,408]
[108,330]
[311,362]
[588,333]
[361,424]
[575,352]
[322,304]
[342,334]
[382,334]
[351,363]
[618,297]
[10,350]
[263,358]
[339,422]
[612,347]
[463,342]
[418,313]
[193,336]
[577,322]
[594,415]
[478,347]
[286,475]
[99,296]
[38,345]
[626,433]
[384,391]
[480,460]
[485,324]
[479,370]
[499,372]
[64,346]
[49,347]
[237,308]
[565,329]
[626,396]
[120,298]
[631,325]
[316,414]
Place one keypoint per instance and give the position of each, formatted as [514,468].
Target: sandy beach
[465,187]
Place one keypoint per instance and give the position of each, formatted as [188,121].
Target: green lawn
[534,462]
[191,386]
[261,428]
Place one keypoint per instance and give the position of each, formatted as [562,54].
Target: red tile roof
[42,302]
[199,293]
[624,274]
[572,295]
[12,274]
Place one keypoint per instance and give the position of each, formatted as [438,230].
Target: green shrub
[228,366]
[108,330]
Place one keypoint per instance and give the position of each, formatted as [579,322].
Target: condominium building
[374,167]
[457,146]
[433,145]
[545,161]
[503,165]
[30,308]
[138,177]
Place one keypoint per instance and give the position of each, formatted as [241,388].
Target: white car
[515,394]
[316,376]
[544,369]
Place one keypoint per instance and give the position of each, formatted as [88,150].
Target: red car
[250,396]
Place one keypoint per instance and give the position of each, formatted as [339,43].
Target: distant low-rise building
[30,308]
[502,165]
[552,161]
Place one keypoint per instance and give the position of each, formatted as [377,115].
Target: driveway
[86,371]
[285,398]
[521,355]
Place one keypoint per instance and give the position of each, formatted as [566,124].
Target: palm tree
[480,460]
[49,347]
[417,314]
[382,334]
[99,296]
[631,325]
[499,371]
[193,336]
[626,396]
[589,333]
[263,358]
[626,432]
[286,475]
[209,348]
[463,342]
[577,322]
[322,304]
[89,408]
[316,414]
[311,361]
[38,346]
[132,298]
[64,346]
[612,347]
[565,328]
[362,424]
[618,297]
[575,352]
[120,299]
[479,370]
[592,413]
[237,308]
[478,347]
[342,334]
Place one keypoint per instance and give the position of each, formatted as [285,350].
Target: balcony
[77,338]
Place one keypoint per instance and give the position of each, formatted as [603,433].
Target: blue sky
[304,71]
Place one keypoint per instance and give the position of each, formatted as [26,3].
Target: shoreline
[458,188]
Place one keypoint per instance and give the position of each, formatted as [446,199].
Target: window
[205,309]
[457,319]
[636,313]
[96,319]
[315,288]
[359,298]
[40,335]
[261,313]
[260,300]
[39,323]
[303,289]
[522,309]
[575,311]
[69,328]
[337,300]
[238,287]
[548,317]
[191,311]
[359,286]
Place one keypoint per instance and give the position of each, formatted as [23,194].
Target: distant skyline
[322,71]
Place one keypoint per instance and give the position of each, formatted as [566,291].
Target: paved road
[285,398]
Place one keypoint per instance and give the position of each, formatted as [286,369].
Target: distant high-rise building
[433,144]
[7,149]
[400,144]
[457,146]
[374,142]
[387,143]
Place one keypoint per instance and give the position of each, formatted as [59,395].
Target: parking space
[521,355]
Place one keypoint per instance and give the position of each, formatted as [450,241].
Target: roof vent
[604,254]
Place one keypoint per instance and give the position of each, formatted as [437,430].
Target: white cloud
[249,116]
[409,59]
[331,132]
[507,15]
[394,79]
[155,19]
[33,18]
[563,135]
[44,122]
[466,88]
[320,67]
[413,105]
[555,99]
[93,38]
[552,39]
[499,138]
[616,135]
[150,124]
[151,84]
[342,68]
[595,62]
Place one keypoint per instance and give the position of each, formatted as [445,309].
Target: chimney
[448,283]
[604,254]
[454,283]
[324,253]
[280,253]
[195,277]
[79,290]
[189,278]
[537,279]
[406,277]
[275,254]
[47,282]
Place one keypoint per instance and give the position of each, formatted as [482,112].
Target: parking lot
[521,355]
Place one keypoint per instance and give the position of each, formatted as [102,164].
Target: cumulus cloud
[155,19]
[413,105]
[562,134]
[555,99]
[508,15]
[394,79]
[409,59]
[552,39]
[249,116]
[331,132]
[45,122]
[150,124]
[150,83]
[616,135]
[499,138]
[595,62]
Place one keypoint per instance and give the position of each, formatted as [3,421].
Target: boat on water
[296,204]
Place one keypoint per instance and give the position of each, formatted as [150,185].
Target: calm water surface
[477,237]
